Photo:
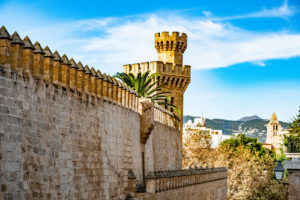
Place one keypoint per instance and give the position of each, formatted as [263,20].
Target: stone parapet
[161,181]
[30,62]
[166,42]
[170,48]
[164,69]
[292,155]
[33,62]
[165,117]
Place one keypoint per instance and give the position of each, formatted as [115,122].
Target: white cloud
[283,11]
[259,63]
[210,44]
[207,13]
[109,43]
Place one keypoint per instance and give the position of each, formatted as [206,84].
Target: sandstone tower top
[274,119]
[170,48]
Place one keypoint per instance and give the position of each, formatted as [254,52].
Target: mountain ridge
[249,118]
[251,127]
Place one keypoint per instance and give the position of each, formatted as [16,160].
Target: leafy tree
[295,126]
[145,86]
[292,141]
[250,143]
[250,176]
[196,142]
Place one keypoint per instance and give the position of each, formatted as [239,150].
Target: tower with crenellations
[174,76]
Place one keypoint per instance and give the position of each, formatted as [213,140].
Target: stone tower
[170,48]
[274,135]
[172,73]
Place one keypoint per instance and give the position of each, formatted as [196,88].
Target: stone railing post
[151,183]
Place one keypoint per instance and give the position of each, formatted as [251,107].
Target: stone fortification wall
[68,131]
[71,132]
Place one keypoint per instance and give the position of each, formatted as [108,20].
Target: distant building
[199,124]
[275,133]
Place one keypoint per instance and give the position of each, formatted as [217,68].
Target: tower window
[172,101]
[166,107]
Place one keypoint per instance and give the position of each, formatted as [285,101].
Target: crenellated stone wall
[68,131]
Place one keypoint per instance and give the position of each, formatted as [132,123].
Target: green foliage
[250,176]
[146,86]
[292,140]
[295,126]
[281,157]
[249,143]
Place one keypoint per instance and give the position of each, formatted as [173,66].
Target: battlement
[34,62]
[159,67]
[173,42]
[176,74]
[170,48]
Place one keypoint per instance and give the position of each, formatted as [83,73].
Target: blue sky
[245,55]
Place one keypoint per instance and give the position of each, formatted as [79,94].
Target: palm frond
[147,85]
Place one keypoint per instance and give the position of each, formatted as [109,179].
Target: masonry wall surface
[56,144]
[165,143]
[294,185]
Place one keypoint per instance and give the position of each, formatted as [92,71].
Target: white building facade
[199,124]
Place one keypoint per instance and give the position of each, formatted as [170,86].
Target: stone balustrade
[161,181]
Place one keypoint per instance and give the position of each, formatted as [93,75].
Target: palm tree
[145,86]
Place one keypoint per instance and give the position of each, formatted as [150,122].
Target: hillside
[252,126]
[227,126]
[248,118]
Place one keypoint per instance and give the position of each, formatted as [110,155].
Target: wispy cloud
[259,63]
[284,11]
[211,44]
